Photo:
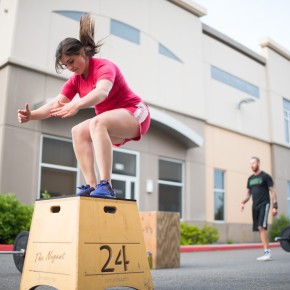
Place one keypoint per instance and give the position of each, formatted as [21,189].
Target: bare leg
[264,237]
[103,149]
[110,127]
[84,151]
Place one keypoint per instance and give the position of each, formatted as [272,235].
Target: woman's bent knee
[75,131]
[95,123]
[80,131]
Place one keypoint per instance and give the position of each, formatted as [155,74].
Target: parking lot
[221,270]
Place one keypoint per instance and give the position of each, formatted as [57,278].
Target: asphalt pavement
[201,270]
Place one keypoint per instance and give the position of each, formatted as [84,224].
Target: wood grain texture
[161,232]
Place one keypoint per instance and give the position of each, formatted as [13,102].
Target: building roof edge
[190,6]
[268,42]
[233,44]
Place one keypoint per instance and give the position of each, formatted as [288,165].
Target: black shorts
[260,216]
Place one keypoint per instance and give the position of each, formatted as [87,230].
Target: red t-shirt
[120,96]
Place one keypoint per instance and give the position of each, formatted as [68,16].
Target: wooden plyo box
[86,243]
[161,232]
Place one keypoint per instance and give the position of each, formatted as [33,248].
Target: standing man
[259,184]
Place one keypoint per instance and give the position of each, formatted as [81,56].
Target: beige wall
[281,170]
[231,152]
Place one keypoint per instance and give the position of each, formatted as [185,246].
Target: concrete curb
[224,247]
[197,248]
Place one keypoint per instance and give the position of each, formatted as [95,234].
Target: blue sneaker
[85,190]
[104,189]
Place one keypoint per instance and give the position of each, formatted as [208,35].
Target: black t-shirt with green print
[259,188]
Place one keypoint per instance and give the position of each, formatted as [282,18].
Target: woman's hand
[65,110]
[24,115]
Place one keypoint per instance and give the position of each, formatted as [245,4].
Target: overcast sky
[249,21]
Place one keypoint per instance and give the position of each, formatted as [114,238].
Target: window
[219,194]
[125,173]
[125,31]
[58,167]
[234,81]
[165,51]
[124,163]
[170,186]
[288,198]
[74,15]
[286,109]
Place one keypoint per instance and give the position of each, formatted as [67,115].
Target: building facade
[214,103]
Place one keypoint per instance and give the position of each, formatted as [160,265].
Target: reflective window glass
[124,163]
[219,193]
[170,187]
[58,152]
[170,198]
[125,31]
[165,51]
[58,169]
[286,111]
[170,171]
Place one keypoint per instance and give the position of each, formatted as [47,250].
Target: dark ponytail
[72,46]
[87,33]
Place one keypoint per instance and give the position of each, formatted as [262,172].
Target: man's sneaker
[266,257]
[85,190]
[104,189]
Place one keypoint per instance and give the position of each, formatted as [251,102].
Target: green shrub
[45,194]
[189,235]
[277,226]
[193,235]
[210,234]
[14,218]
